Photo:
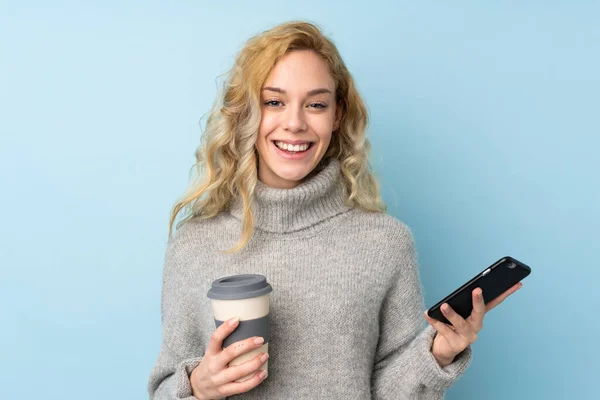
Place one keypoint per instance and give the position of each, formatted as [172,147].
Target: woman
[285,173]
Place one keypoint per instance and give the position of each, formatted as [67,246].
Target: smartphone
[493,281]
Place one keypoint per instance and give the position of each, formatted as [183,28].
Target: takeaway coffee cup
[245,296]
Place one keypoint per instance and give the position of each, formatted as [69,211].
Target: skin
[451,340]
[298,103]
[212,379]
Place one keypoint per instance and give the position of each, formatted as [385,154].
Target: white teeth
[289,147]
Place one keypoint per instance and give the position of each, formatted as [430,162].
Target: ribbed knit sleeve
[170,379]
[182,345]
[404,366]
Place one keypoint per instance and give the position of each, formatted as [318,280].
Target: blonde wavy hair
[226,160]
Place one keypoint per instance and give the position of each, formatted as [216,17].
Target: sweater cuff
[181,379]
[434,376]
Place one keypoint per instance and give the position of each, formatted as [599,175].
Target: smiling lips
[293,148]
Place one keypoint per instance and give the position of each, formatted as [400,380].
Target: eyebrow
[310,93]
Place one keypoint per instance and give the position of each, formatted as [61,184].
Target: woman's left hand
[450,340]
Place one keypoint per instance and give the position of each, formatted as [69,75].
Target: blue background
[485,130]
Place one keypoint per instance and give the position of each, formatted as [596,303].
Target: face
[299,114]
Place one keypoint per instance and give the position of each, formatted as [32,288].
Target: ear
[338,116]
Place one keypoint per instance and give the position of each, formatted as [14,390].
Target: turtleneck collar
[287,210]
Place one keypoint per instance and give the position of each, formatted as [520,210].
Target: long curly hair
[226,161]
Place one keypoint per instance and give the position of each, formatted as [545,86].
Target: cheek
[323,128]
[267,124]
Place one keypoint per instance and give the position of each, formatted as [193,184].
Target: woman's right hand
[212,379]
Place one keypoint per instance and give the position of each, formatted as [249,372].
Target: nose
[295,120]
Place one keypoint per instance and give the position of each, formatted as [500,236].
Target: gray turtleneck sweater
[346,309]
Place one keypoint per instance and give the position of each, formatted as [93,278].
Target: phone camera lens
[511,265]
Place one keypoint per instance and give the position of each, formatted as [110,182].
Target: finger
[238,348]
[239,371]
[230,389]
[443,329]
[215,345]
[463,328]
[503,296]
[476,318]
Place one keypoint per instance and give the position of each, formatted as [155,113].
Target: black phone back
[493,281]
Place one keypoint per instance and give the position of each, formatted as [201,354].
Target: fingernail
[234,321]
[264,357]
[259,340]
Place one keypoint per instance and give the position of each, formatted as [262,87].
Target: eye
[272,103]
[318,105]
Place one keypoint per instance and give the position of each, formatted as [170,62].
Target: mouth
[293,149]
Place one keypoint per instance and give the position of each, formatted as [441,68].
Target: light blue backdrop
[485,126]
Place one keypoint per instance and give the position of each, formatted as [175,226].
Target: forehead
[301,71]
